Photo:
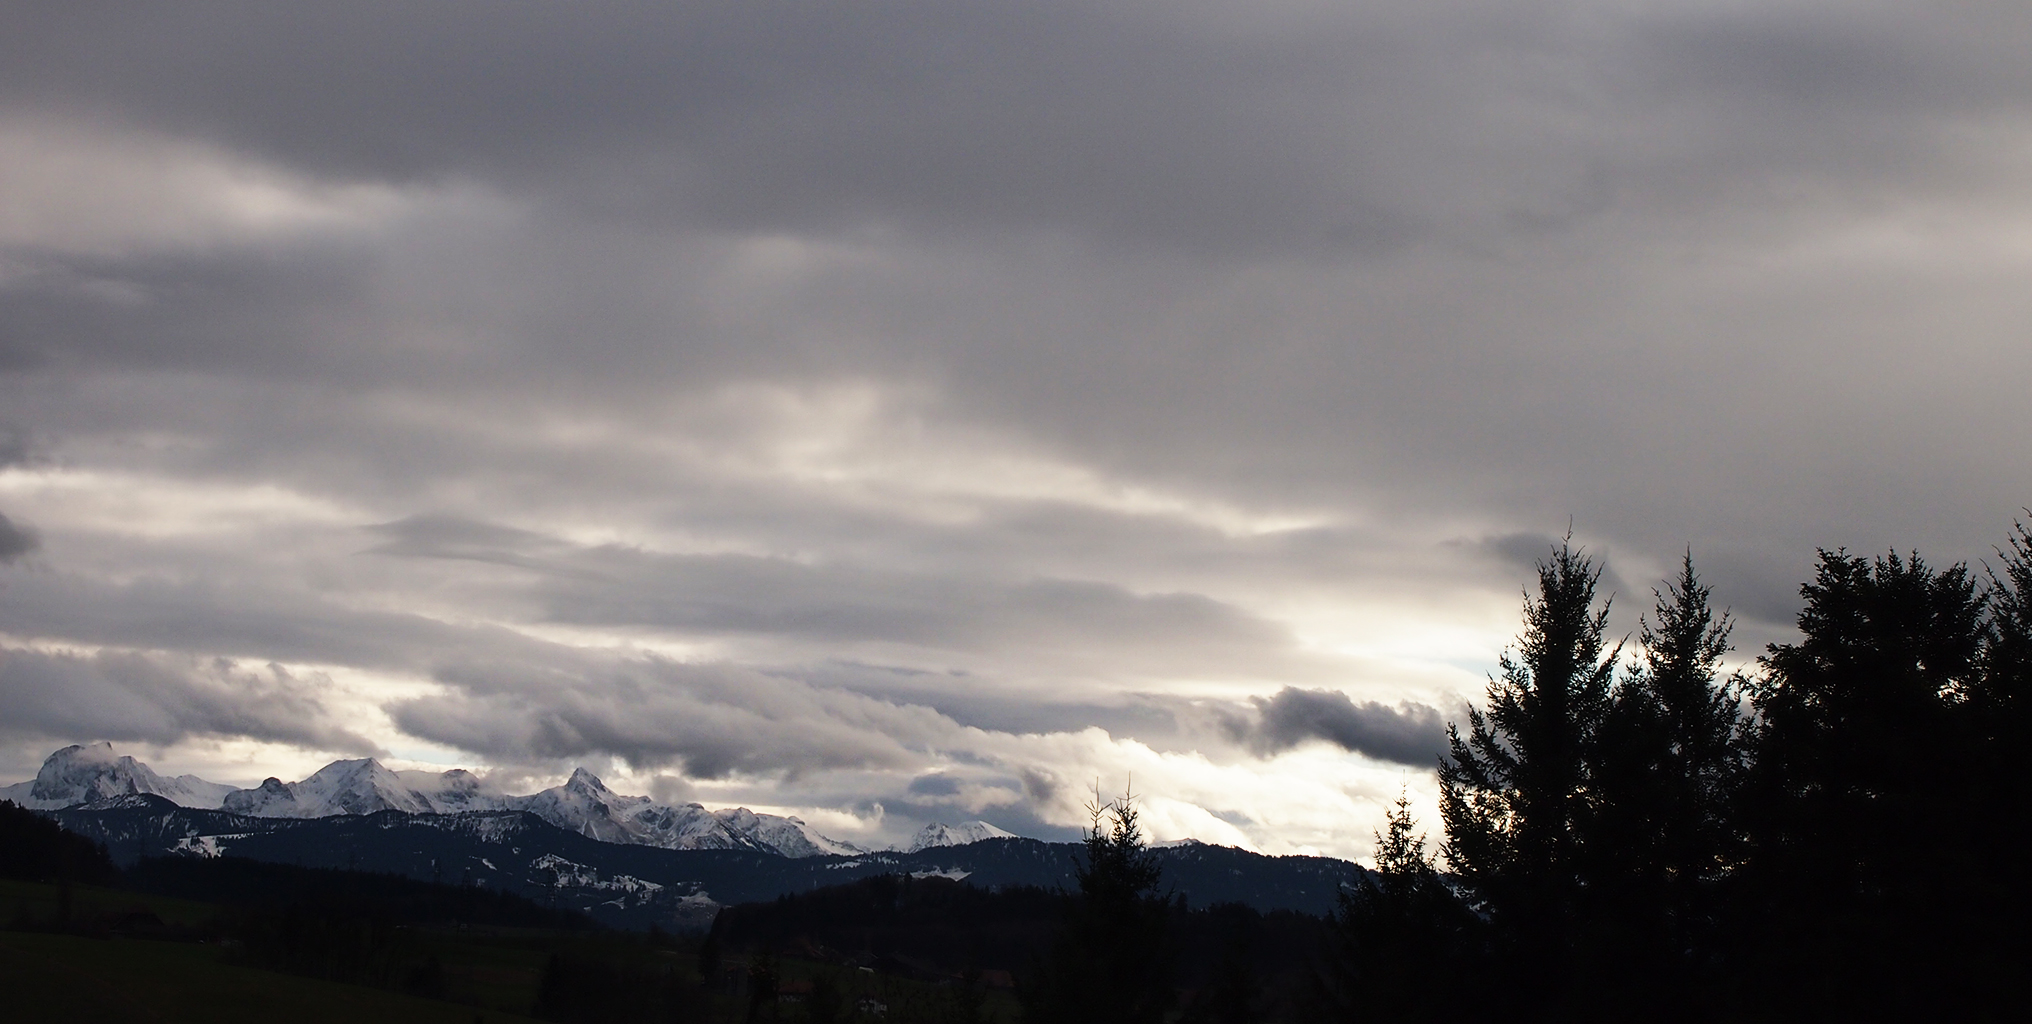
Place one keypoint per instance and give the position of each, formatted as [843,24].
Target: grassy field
[28,902]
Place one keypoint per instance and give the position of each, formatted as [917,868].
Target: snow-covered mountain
[790,837]
[940,834]
[365,786]
[585,805]
[92,773]
[82,775]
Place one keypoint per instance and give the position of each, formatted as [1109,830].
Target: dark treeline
[944,925]
[259,887]
[347,926]
[37,849]
[1832,835]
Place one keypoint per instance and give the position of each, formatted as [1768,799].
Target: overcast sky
[886,412]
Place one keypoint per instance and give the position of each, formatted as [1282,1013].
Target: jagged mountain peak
[349,768]
[736,817]
[583,781]
[939,833]
[89,773]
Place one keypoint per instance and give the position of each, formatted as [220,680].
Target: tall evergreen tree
[1859,883]
[1514,790]
[1110,962]
[1404,945]
[1999,738]
[2003,693]
[1659,834]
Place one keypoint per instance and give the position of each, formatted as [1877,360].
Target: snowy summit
[940,834]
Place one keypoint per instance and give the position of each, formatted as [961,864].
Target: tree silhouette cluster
[1832,834]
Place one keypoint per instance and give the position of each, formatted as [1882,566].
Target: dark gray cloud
[240,312]
[1310,128]
[770,116]
[57,696]
[933,785]
[16,540]
[15,447]
[1407,734]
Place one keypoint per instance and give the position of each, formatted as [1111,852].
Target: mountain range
[92,774]
[635,885]
[625,860]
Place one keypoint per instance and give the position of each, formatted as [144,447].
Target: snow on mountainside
[365,786]
[93,773]
[81,775]
[585,805]
[941,834]
[788,836]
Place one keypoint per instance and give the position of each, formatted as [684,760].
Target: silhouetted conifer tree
[2001,706]
[1110,962]
[1659,832]
[1862,889]
[1514,790]
[1405,947]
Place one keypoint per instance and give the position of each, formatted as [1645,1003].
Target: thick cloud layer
[894,410]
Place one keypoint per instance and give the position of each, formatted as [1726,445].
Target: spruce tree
[1658,837]
[2002,695]
[1514,789]
[1999,711]
[1110,962]
[1404,946]
[1863,890]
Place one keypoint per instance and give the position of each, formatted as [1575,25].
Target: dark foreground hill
[637,886]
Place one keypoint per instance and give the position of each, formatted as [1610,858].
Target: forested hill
[636,886]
